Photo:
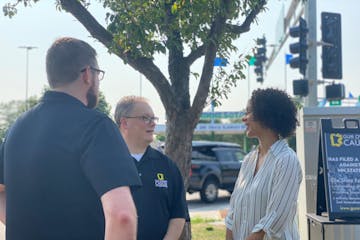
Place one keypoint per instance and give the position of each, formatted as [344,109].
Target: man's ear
[123,122]
[86,76]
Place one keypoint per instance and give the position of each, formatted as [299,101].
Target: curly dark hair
[274,109]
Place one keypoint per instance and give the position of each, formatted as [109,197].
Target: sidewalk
[214,214]
[216,210]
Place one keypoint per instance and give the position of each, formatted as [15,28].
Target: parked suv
[214,165]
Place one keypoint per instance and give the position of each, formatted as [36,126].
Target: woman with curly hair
[263,204]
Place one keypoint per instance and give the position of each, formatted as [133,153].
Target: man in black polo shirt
[160,202]
[66,168]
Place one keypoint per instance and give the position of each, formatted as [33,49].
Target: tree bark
[178,146]
[179,134]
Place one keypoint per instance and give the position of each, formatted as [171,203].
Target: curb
[215,214]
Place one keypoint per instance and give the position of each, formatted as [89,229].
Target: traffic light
[299,47]
[301,87]
[260,57]
[331,49]
[335,91]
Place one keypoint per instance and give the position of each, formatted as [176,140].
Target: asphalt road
[195,204]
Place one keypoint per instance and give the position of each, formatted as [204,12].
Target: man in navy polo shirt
[66,168]
[160,202]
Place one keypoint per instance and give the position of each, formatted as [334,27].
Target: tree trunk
[178,146]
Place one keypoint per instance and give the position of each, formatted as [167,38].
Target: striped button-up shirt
[268,200]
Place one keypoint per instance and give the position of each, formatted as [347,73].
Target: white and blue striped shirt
[268,200]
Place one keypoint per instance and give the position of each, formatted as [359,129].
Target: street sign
[219,115]
[288,57]
[335,103]
[209,127]
[252,61]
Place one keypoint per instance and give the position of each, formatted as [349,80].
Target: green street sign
[252,61]
[335,102]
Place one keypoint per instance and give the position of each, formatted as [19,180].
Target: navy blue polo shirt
[161,197]
[58,159]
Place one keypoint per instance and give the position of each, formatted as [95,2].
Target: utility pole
[27,48]
[310,16]
[140,86]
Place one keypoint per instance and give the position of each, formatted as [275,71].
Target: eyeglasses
[146,119]
[101,73]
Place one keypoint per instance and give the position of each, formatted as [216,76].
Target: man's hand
[175,228]
[2,203]
[229,235]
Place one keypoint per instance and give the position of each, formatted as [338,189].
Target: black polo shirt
[162,196]
[59,158]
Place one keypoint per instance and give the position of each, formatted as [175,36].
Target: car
[214,166]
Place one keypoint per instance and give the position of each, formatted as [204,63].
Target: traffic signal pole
[311,73]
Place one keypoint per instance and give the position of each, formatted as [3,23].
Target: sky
[41,24]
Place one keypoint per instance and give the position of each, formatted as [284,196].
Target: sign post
[340,149]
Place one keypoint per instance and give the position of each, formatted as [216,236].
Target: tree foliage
[103,105]
[185,31]
[10,111]
[138,29]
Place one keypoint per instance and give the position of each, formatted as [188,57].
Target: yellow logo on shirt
[160,181]
[160,176]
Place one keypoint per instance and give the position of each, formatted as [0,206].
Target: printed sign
[341,162]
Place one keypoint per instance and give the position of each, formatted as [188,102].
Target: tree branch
[204,84]
[178,69]
[143,65]
[195,54]
[218,27]
[88,21]
[245,27]
[216,30]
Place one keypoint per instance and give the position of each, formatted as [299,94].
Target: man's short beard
[92,97]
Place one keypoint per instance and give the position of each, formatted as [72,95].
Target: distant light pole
[28,48]
[140,85]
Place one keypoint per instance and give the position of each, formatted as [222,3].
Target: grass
[207,229]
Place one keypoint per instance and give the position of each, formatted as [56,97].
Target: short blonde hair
[125,106]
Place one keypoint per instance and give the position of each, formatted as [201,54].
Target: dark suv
[214,165]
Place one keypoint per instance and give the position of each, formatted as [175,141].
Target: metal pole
[285,73]
[310,16]
[27,48]
[27,80]
[212,119]
[212,112]
[248,82]
[140,85]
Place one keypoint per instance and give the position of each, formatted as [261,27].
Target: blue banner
[220,62]
[288,57]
